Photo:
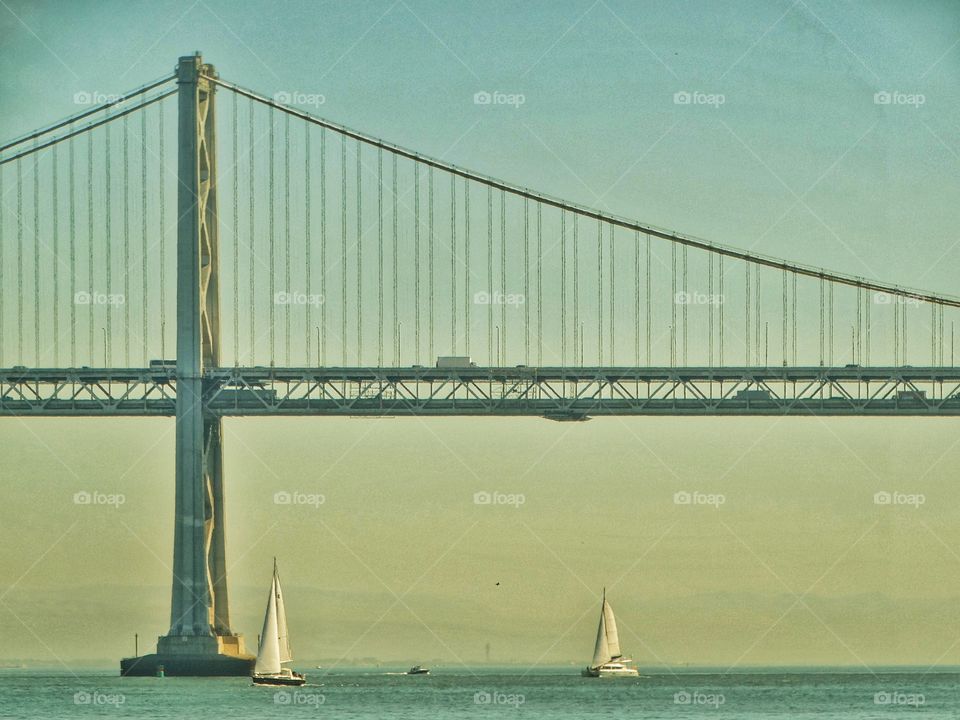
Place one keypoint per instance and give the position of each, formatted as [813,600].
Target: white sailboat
[608,661]
[274,647]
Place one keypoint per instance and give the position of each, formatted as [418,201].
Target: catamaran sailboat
[607,658]
[275,642]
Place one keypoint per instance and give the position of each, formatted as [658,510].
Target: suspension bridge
[310,269]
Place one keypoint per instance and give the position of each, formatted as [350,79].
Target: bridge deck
[571,393]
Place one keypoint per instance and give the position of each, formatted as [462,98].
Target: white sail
[268,655]
[610,624]
[601,651]
[283,638]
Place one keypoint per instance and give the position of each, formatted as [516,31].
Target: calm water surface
[487,693]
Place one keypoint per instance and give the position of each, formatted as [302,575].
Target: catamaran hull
[280,680]
[610,672]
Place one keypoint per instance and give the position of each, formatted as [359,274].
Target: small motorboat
[418,670]
[274,647]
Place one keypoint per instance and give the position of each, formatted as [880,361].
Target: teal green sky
[798,565]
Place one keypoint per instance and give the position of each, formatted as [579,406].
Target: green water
[487,693]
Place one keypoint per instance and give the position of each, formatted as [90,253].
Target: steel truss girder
[558,393]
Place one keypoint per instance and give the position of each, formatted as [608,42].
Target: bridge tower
[200,641]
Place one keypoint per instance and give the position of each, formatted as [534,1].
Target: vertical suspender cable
[287,277]
[431,275]
[710,309]
[56,259]
[466,265]
[722,300]
[453,264]
[783,320]
[746,315]
[896,329]
[526,280]
[489,293]
[144,244]
[396,314]
[163,240]
[90,258]
[649,301]
[416,264]
[503,276]
[36,258]
[73,257]
[903,334]
[760,345]
[3,268]
[821,321]
[540,284]
[636,297]
[126,242]
[379,257]
[830,326]
[235,218]
[613,304]
[933,334]
[599,293]
[359,254]
[271,230]
[563,288]
[108,239]
[673,304]
[252,233]
[308,247]
[577,340]
[794,323]
[686,304]
[20,263]
[343,251]
[322,350]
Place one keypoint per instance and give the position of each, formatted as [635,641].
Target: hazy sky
[798,565]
